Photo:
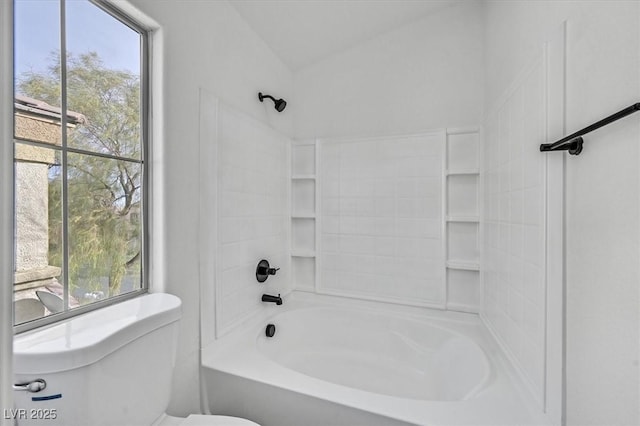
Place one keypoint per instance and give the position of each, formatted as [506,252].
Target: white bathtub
[339,362]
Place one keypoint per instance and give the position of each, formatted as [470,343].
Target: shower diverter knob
[263,271]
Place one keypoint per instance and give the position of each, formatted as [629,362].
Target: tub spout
[273,299]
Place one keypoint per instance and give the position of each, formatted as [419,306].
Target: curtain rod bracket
[573,143]
[574,146]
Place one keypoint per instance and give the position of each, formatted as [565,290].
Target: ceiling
[302,32]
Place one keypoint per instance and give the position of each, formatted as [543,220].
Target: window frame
[64,149]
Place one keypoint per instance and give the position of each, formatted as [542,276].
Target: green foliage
[104,194]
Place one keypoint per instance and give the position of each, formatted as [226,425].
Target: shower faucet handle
[263,270]
[272,271]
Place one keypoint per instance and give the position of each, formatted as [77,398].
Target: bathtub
[333,361]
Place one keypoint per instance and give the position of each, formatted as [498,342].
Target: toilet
[108,367]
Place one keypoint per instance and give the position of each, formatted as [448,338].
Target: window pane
[37,70]
[78,230]
[105,228]
[38,184]
[103,81]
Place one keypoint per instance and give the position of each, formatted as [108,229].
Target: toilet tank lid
[87,338]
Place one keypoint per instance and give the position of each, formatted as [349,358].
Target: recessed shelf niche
[462,195]
[303,201]
[463,290]
[463,241]
[303,157]
[462,151]
[304,211]
[462,220]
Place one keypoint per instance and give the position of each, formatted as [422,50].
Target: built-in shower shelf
[467,219]
[458,172]
[302,253]
[463,265]
[303,216]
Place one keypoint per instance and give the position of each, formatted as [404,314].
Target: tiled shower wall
[514,209]
[253,211]
[381,212]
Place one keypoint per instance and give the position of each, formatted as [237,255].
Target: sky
[37,35]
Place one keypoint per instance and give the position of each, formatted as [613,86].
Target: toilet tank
[112,366]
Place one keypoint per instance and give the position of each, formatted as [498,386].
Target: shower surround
[398,219]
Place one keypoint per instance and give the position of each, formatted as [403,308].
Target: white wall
[603,76]
[422,76]
[203,45]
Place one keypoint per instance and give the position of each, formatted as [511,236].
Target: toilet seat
[204,420]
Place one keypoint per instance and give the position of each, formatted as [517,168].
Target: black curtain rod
[573,143]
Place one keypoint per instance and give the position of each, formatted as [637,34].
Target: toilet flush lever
[32,386]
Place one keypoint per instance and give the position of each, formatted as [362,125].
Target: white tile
[385,246]
[406,207]
[534,284]
[503,239]
[385,227]
[516,240]
[367,187]
[331,262]
[330,243]
[365,207]
[427,187]
[406,187]
[330,187]
[533,206]
[429,208]
[331,224]
[533,322]
[367,265]
[516,204]
[515,308]
[349,225]
[330,206]
[235,279]
[349,188]
[232,254]
[533,248]
[533,364]
[385,188]
[348,206]
[384,207]
[504,208]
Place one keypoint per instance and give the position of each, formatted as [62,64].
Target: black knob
[263,270]
[270,330]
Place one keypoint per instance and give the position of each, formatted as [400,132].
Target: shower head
[280,104]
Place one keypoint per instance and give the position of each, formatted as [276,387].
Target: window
[80,159]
